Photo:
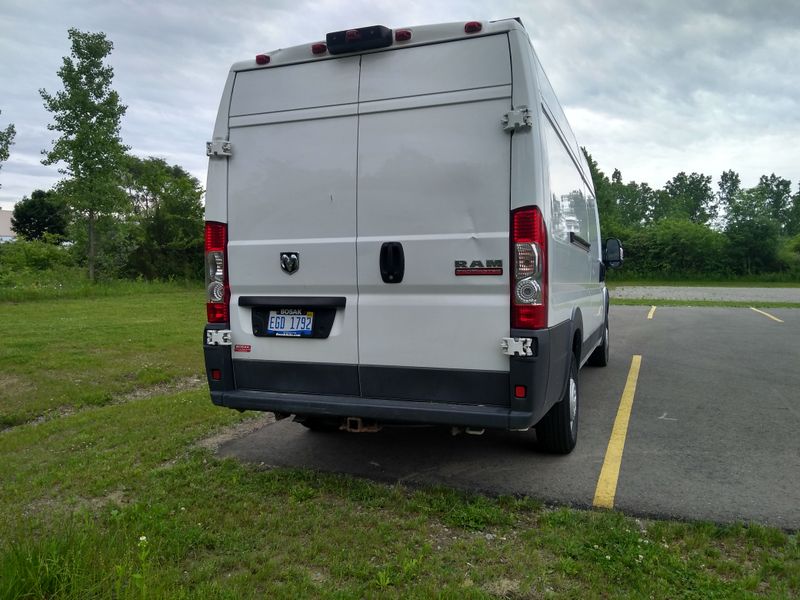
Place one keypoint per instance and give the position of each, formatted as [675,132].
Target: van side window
[567,190]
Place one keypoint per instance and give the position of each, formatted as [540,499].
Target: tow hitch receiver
[358,425]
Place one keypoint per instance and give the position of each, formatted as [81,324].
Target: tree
[87,114]
[42,213]
[729,185]
[754,235]
[777,197]
[793,222]
[635,202]
[689,196]
[6,141]
[166,202]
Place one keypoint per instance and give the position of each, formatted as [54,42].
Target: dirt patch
[503,587]
[53,506]
[175,386]
[234,432]
[115,497]
[184,384]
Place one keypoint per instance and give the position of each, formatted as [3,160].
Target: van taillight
[529,274]
[218,291]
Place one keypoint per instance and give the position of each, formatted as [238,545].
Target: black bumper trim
[296,377]
[387,411]
[449,386]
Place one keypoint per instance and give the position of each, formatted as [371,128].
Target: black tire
[557,432]
[320,425]
[599,358]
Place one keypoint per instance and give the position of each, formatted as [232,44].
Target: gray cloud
[652,88]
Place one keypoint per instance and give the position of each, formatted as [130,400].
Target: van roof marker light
[402,35]
[319,48]
[262,59]
[472,27]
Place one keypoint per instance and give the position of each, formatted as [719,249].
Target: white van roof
[421,34]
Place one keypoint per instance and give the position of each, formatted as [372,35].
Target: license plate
[290,322]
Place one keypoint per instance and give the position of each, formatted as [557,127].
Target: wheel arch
[565,344]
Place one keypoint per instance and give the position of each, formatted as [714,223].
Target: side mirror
[613,255]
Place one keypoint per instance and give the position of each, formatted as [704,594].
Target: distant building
[6,234]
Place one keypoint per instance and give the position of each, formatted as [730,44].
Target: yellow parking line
[607,482]
[766,314]
[652,312]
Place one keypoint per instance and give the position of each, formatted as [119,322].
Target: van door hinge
[219,148]
[517,346]
[518,118]
[218,337]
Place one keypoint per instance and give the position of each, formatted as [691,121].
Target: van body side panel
[527,179]
[433,175]
[574,270]
[292,188]
[216,199]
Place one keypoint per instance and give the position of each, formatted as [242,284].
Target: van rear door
[292,195]
[433,181]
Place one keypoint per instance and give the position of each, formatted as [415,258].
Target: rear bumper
[378,409]
[399,395]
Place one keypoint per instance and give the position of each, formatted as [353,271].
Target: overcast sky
[651,88]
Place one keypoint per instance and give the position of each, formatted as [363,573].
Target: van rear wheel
[557,432]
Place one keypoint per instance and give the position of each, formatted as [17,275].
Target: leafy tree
[87,114]
[634,202]
[6,141]
[44,213]
[776,193]
[793,222]
[688,196]
[729,185]
[754,235]
[167,203]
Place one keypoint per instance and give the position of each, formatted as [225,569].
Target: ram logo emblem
[290,262]
[479,267]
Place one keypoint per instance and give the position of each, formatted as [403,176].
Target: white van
[401,228]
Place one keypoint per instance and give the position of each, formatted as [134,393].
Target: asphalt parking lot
[708,429]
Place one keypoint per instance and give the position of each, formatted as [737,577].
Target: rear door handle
[392,262]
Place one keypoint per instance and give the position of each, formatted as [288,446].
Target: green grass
[79,493]
[66,354]
[702,303]
[118,501]
[615,283]
[72,282]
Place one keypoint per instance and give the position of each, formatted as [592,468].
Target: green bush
[789,256]
[676,249]
[22,255]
